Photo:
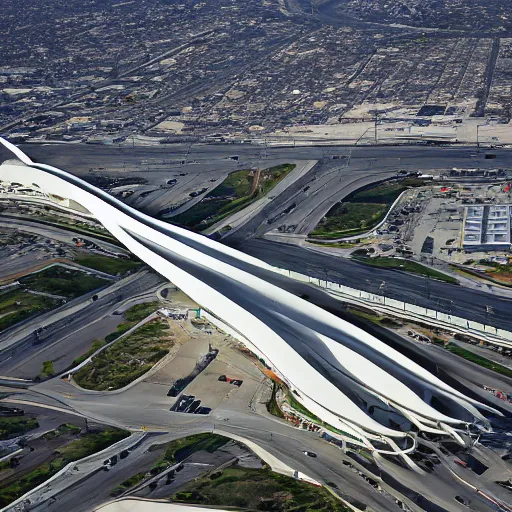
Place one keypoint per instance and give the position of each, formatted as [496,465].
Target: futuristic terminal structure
[372,394]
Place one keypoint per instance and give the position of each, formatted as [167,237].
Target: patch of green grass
[294,404]
[127,359]
[133,315]
[112,266]
[69,427]
[48,370]
[18,305]
[361,211]
[205,209]
[29,481]
[175,452]
[271,177]
[367,315]
[340,245]
[497,273]
[385,193]
[237,184]
[232,195]
[468,272]
[349,219]
[385,321]
[180,449]
[272,406]
[13,426]
[59,280]
[258,489]
[90,443]
[128,484]
[86,445]
[479,360]
[140,311]
[407,266]
[120,330]
[297,406]
[65,428]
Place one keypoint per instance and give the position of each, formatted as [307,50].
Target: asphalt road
[62,351]
[341,170]
[74,157]
[94,490]
[300,207]
[68,335]
[432,492]
[289,443]
[430,293]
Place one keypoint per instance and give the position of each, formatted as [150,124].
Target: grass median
[175,451]
[406,266]
[274,409]
[48,370]
[109,265]
[238,190]
[258,489]
[63,281]
[131,317]
[127,359]
[361,211]
[479,360]
[18,305]
[180,449]
[14,426]
[71,450]
[272,405]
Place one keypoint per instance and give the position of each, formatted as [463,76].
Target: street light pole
[489,310]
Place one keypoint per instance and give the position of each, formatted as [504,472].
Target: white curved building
[343,375]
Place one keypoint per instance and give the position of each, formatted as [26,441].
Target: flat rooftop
[487,225]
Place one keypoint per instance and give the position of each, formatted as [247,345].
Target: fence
[490,333]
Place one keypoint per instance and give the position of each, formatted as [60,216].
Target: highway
[331,364]
[327,182]
[445,297]
[333,179]
[69,329]
[340,170]
[432,492]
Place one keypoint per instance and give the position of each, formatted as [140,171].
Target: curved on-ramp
[343,375]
